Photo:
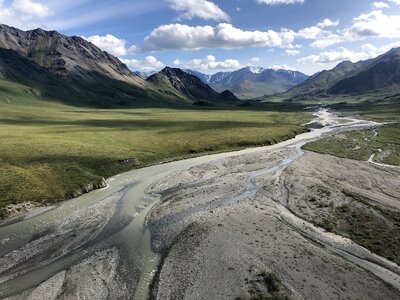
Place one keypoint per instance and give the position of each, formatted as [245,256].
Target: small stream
[126,230]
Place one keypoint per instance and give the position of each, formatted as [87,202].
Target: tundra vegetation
[48,150]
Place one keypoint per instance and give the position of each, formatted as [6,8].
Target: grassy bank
[49,150]
[360,145]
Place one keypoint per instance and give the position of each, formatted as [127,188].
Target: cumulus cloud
[282,67]
[292,52]
[202,9]
[374,24]
[179,36]
[111,44]
[255,60]
[367,51]
[278,2]
[328,23]
[150,63]
[312,33]
[319,33]
[380,4]
[209,63]
[28,7]
[25,14]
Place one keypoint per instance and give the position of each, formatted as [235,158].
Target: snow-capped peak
[255,70]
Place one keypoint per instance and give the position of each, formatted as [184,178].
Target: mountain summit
[251,82]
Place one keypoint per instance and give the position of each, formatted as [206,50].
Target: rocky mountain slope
[175,82]
[72,70]
[250,82]
[68,57]
[380,75]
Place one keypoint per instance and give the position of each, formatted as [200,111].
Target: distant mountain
[251,82]
[144,75]
[176,82]
[378,75]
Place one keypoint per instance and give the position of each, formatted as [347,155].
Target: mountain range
[75,71]
[251,82]
[377,76]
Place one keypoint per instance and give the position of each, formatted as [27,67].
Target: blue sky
[218,35]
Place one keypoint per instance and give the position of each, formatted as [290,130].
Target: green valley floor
[49,150]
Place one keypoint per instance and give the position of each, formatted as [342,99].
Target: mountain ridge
[251,82]
[377,75]
[64,56]
[177,82]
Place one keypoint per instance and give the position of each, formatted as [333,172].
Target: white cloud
[319,33]
[202,9]
[282,67]
[292,52]
[24,14]
[374,24]
[312,33]
[278,2]
[150,63]
[178,36]
[326,41]
[328,23]
[210,63]
[238,9]
[395,1]
[255,60]
[29,7]
[380,4]
[367,51]
[177,62]
[111,44]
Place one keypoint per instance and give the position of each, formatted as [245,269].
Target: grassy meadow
[49,150]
